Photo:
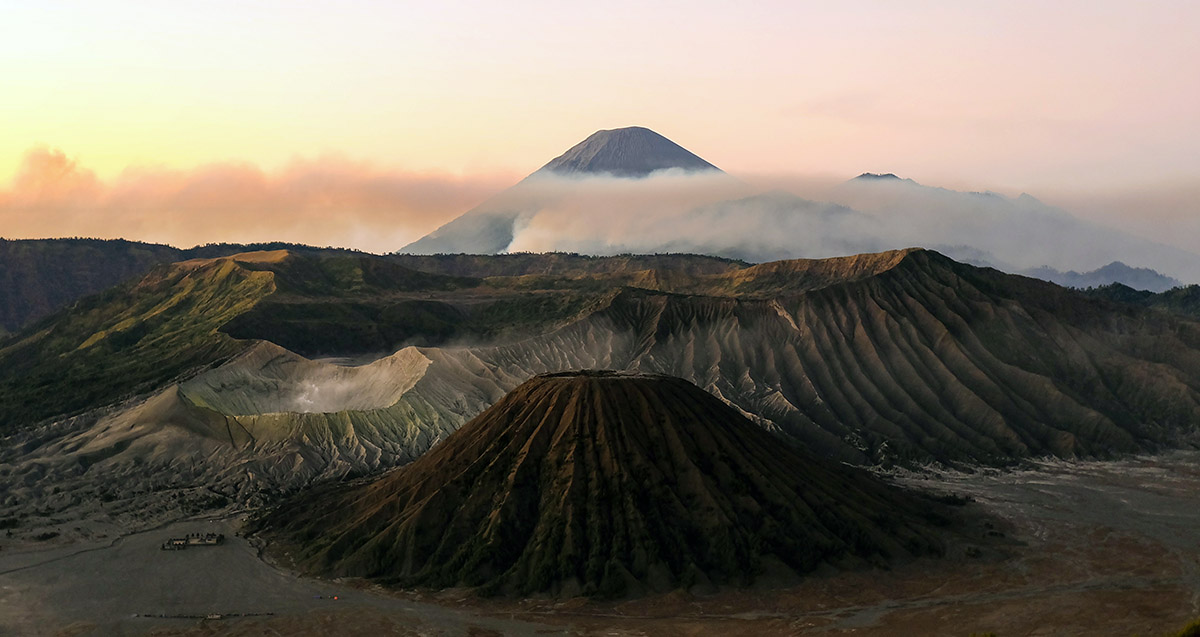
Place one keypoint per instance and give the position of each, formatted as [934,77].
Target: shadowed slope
[41,276]
[894,358]
[902,356]
[1183,300]
[603,483]
[38,277]
[562,264]
[931,359]
[179,319]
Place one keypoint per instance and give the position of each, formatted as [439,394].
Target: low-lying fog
[335,201]
[717,214]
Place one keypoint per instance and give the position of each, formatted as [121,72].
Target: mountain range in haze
[631,190]
[1115,272]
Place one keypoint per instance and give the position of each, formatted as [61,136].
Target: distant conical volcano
[628,153]
[625,152]
[603,483]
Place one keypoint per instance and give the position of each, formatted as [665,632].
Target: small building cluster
[193,539]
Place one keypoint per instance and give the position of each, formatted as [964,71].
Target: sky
[424,108]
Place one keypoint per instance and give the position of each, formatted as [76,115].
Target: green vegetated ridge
[137,336]
[41,276]
[355,305]
[183,317]
[38,277]
[1183,300]
[563,264]
[604,484]
[127,340]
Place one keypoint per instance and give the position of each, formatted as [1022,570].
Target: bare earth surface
[1108,548]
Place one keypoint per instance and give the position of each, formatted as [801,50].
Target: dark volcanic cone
[625,152]
[603,484]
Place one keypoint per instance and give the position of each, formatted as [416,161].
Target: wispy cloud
[326,201]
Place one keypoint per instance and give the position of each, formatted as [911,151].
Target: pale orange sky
[1014,96]
[1010,94]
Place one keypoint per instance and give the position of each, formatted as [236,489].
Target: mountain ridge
[897,359]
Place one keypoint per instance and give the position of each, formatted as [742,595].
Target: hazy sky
[1039,96]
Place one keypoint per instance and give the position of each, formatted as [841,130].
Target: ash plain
[1073,548]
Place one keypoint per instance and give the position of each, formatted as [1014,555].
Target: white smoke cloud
[664,214]
[332,201]
[813,218]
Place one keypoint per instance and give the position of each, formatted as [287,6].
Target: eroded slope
[603,483]
[904,357]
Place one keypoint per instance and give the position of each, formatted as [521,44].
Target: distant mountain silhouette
[1015,234]
[879,177]
[1115,272]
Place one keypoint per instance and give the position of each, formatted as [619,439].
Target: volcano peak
[604,483]
[634,151]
